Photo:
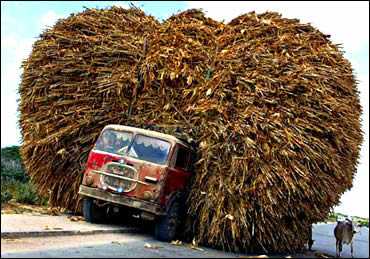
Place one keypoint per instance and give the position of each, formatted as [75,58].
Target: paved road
[116,245]
[35,225]
[100,245]
[104,243]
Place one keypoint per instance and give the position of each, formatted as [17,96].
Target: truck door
[178,172]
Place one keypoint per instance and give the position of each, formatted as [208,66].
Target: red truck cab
[138,171]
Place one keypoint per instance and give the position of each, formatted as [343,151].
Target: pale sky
[346,22]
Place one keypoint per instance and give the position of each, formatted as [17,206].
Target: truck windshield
[149,149]
[113,141]
[143,147]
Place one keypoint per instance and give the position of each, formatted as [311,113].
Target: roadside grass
[364,222]
[334,216]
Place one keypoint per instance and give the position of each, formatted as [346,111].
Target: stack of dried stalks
[79,77]
[271,103]
[288,142]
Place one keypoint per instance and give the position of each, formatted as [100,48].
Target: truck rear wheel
[92,213]
[167,226]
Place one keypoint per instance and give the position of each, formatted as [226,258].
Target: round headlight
[147,195]
[89,180]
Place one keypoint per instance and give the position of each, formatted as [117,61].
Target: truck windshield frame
[136,145]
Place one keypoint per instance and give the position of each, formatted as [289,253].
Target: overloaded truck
[138,172]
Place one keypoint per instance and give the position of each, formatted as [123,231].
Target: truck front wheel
[92,213]
[167,226]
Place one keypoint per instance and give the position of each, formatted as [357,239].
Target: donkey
[344,232]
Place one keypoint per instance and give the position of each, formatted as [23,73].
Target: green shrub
[363,222]
[5,196]
[43,201]
[12,168]
[26,193]
[13,175]
[14,180]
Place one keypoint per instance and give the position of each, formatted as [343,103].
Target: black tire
[167,226]
[92,213]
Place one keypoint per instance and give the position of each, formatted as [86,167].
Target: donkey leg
[337,248]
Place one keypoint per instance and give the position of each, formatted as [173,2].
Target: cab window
[149,149]
[113,141]
[182,158]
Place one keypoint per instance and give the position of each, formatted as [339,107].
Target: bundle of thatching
[271,103]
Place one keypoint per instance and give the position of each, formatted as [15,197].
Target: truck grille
[118,184]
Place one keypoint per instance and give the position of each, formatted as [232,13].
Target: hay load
[271,103]
[80,76]
[293,139]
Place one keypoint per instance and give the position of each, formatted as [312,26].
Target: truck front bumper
[120,199]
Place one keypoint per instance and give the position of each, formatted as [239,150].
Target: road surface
[100,245]
[24,236]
